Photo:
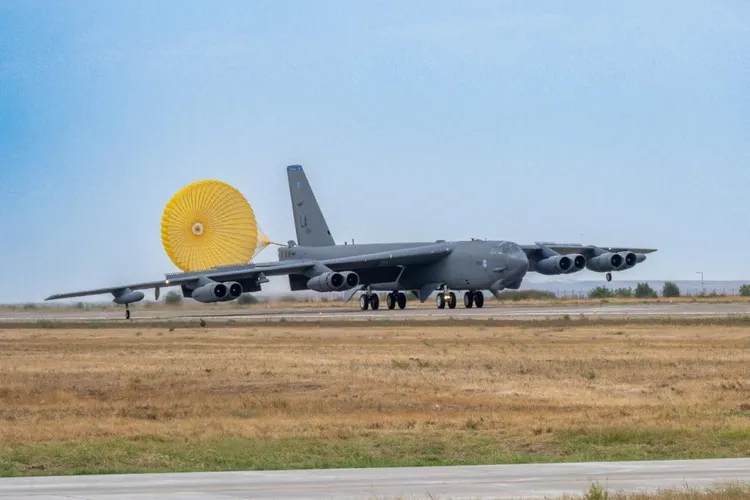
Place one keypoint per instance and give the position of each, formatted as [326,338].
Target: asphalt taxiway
[495,481]
[264,313]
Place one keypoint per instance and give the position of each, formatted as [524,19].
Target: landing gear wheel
[479,299]
[440,301]
[390,301]
[401,299]
[609,276]
[468,300]
[374,301]
[452,301]
[127,313]
[364,303]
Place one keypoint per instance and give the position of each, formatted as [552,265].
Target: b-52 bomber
[315,262]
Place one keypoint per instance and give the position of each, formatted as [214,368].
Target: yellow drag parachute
[208,224]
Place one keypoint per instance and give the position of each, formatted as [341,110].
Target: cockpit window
[506,247]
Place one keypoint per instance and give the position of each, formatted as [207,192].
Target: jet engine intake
[333,282]
[559,264]
[629,259]
[579,262]
[352,279]
[234,290]
[605,262]
[210,292]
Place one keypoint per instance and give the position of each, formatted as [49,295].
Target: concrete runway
[497,481]
[259,314]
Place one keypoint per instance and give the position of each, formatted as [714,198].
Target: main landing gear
[127,311]
[393,299]
[369,299]
[396,298]
[446,298]
[609,276]
[472,299]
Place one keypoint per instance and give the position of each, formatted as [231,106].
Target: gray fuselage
[472,265]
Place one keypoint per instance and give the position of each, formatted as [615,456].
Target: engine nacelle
[210,292]
[333,282]
[234,290]
[629,259]
[128,297]
[559,264]
[351,279]
[579,262]
[605,262]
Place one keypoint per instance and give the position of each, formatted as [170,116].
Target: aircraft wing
[390,258]
[585,250]
[247,271]
[116,289]
[409,256]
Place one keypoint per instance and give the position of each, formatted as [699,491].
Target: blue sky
[613,124]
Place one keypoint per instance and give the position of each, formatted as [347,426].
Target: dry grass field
[159,399]
[718,492]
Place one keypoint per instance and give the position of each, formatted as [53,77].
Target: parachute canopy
[208,224]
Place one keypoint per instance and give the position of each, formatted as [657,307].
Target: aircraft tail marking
[309,223]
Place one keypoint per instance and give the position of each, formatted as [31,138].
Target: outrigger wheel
[208,224]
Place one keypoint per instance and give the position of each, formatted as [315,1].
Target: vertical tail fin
[312,229]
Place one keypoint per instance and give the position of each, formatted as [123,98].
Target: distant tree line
[641,291]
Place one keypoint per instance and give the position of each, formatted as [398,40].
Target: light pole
[701,273]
